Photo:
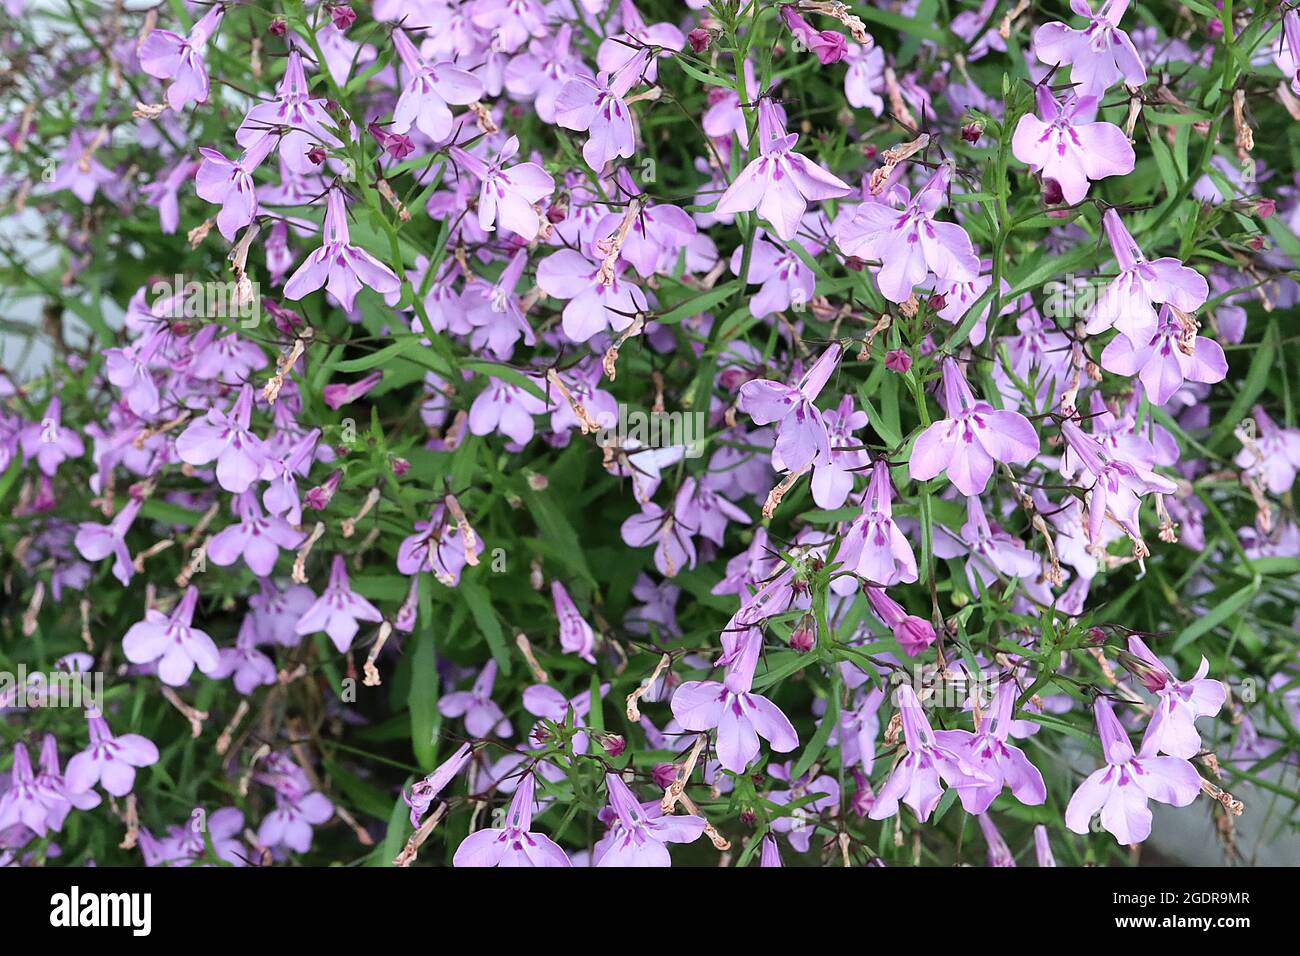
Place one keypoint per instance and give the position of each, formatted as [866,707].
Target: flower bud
[898,361]
[804,637]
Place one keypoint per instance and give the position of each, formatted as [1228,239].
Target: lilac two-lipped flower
[909,242]
[281,472]
[290,824]
[507,195]
[1175,354]
[483,716]
[428,90]
[28,801]
[424,792]
[172,642]
[513,844]
[973,436]
[828,45]
[915,779]
[493,311]
[672,539]
[1118,487]
[1063,143]
[914,634]
[48,441]
[225,438]
[337,611]
[1121,789]
[338,265]
[801,435]
[987,749]
[1125,304]
[639,832]
[506,408]
[1179,702]
[784,277]
[1275,455]
[596,106]
[229,184]
[576,635]
[257,538]
[129,369]
[874,547]
[740,716]
[779,183]
[1098,55]
[832,481]
[109,761]
[437,547]
[300,119]
[596,301]
[249,666]
[168,56]
[97,541]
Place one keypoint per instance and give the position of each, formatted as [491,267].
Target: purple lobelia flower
[281,472]
[424,792]
[576,636]
[987,749]
[428,90]
[167,56]
[1288,55]
[673,542]
[1175,354]
[52,779]
[337,611]
[597,299]
[28,802]
[507,195]
[506,408]
[493,310]
[992,551]
[801,436]
[300,119]
[129,369]
[909,242]
[705,511]
[999,853]
[914,634]
[739,715]
[779,183]
[639,832]
[832,481]
[770,854]
[172,642]
[338,265]
[257,538]
[973,436]
[97,541]
[800,824]
[619,48]
[784,277]
[513,844]
[483,717]
[1274,456]
[251,668]
[874,548]
[290,824]
[276,612]
[229,184]
[597,107]
[1098,55]
[1179,703]
[438,547]
[80,172]
[49,442]
[1125,304]
[1063,143]
[828,45]
[1120,790]
[1042,847]
[915,779]
[109,761]
[225,438]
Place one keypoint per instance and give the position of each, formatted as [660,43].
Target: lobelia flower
[109,761]
[251,668]
[257,538]
[129,369]
[290,824]
[167,56]
[338,265]
[672,540]
[801,435]
[424,792]
[275,612]
[770,853]
[80,172]
[705,511]
[999,853]
[1287,56]
[1097,55]
[482,715]
[506,408]
[230,184]
[658,611]
[49,442]
[909,242]
[913,634]
[281,473]
[597,300]
[796,825]
[225,438]
[97,541]
[915,779]
[1125,304]
[300,119]
[1117,489]
[991,552]
[864,80]
[1065,144]
[1175,354]
[987,749]
[446,558]
[492,309]
[172,642]
[597,107]
[779,183]
[1172,729]
[640,831]
[336,395]
[1043,848]
[508,195]
[540,74]
[858,729]
[163,193]
[784,277]
[965,444]
[829,46]
[1121,789]
[874,547]
[514,844]
[51,778]
[1274,455]
[28,802]
[740,716]
[832,481]
[576,636]
[621,48]
[337,611]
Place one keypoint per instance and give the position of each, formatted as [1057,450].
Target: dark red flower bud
[316,154]
[699,39]
[972,132]
[938,302]
[278,27]
[1052,194]
[854,264]
[343,17]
